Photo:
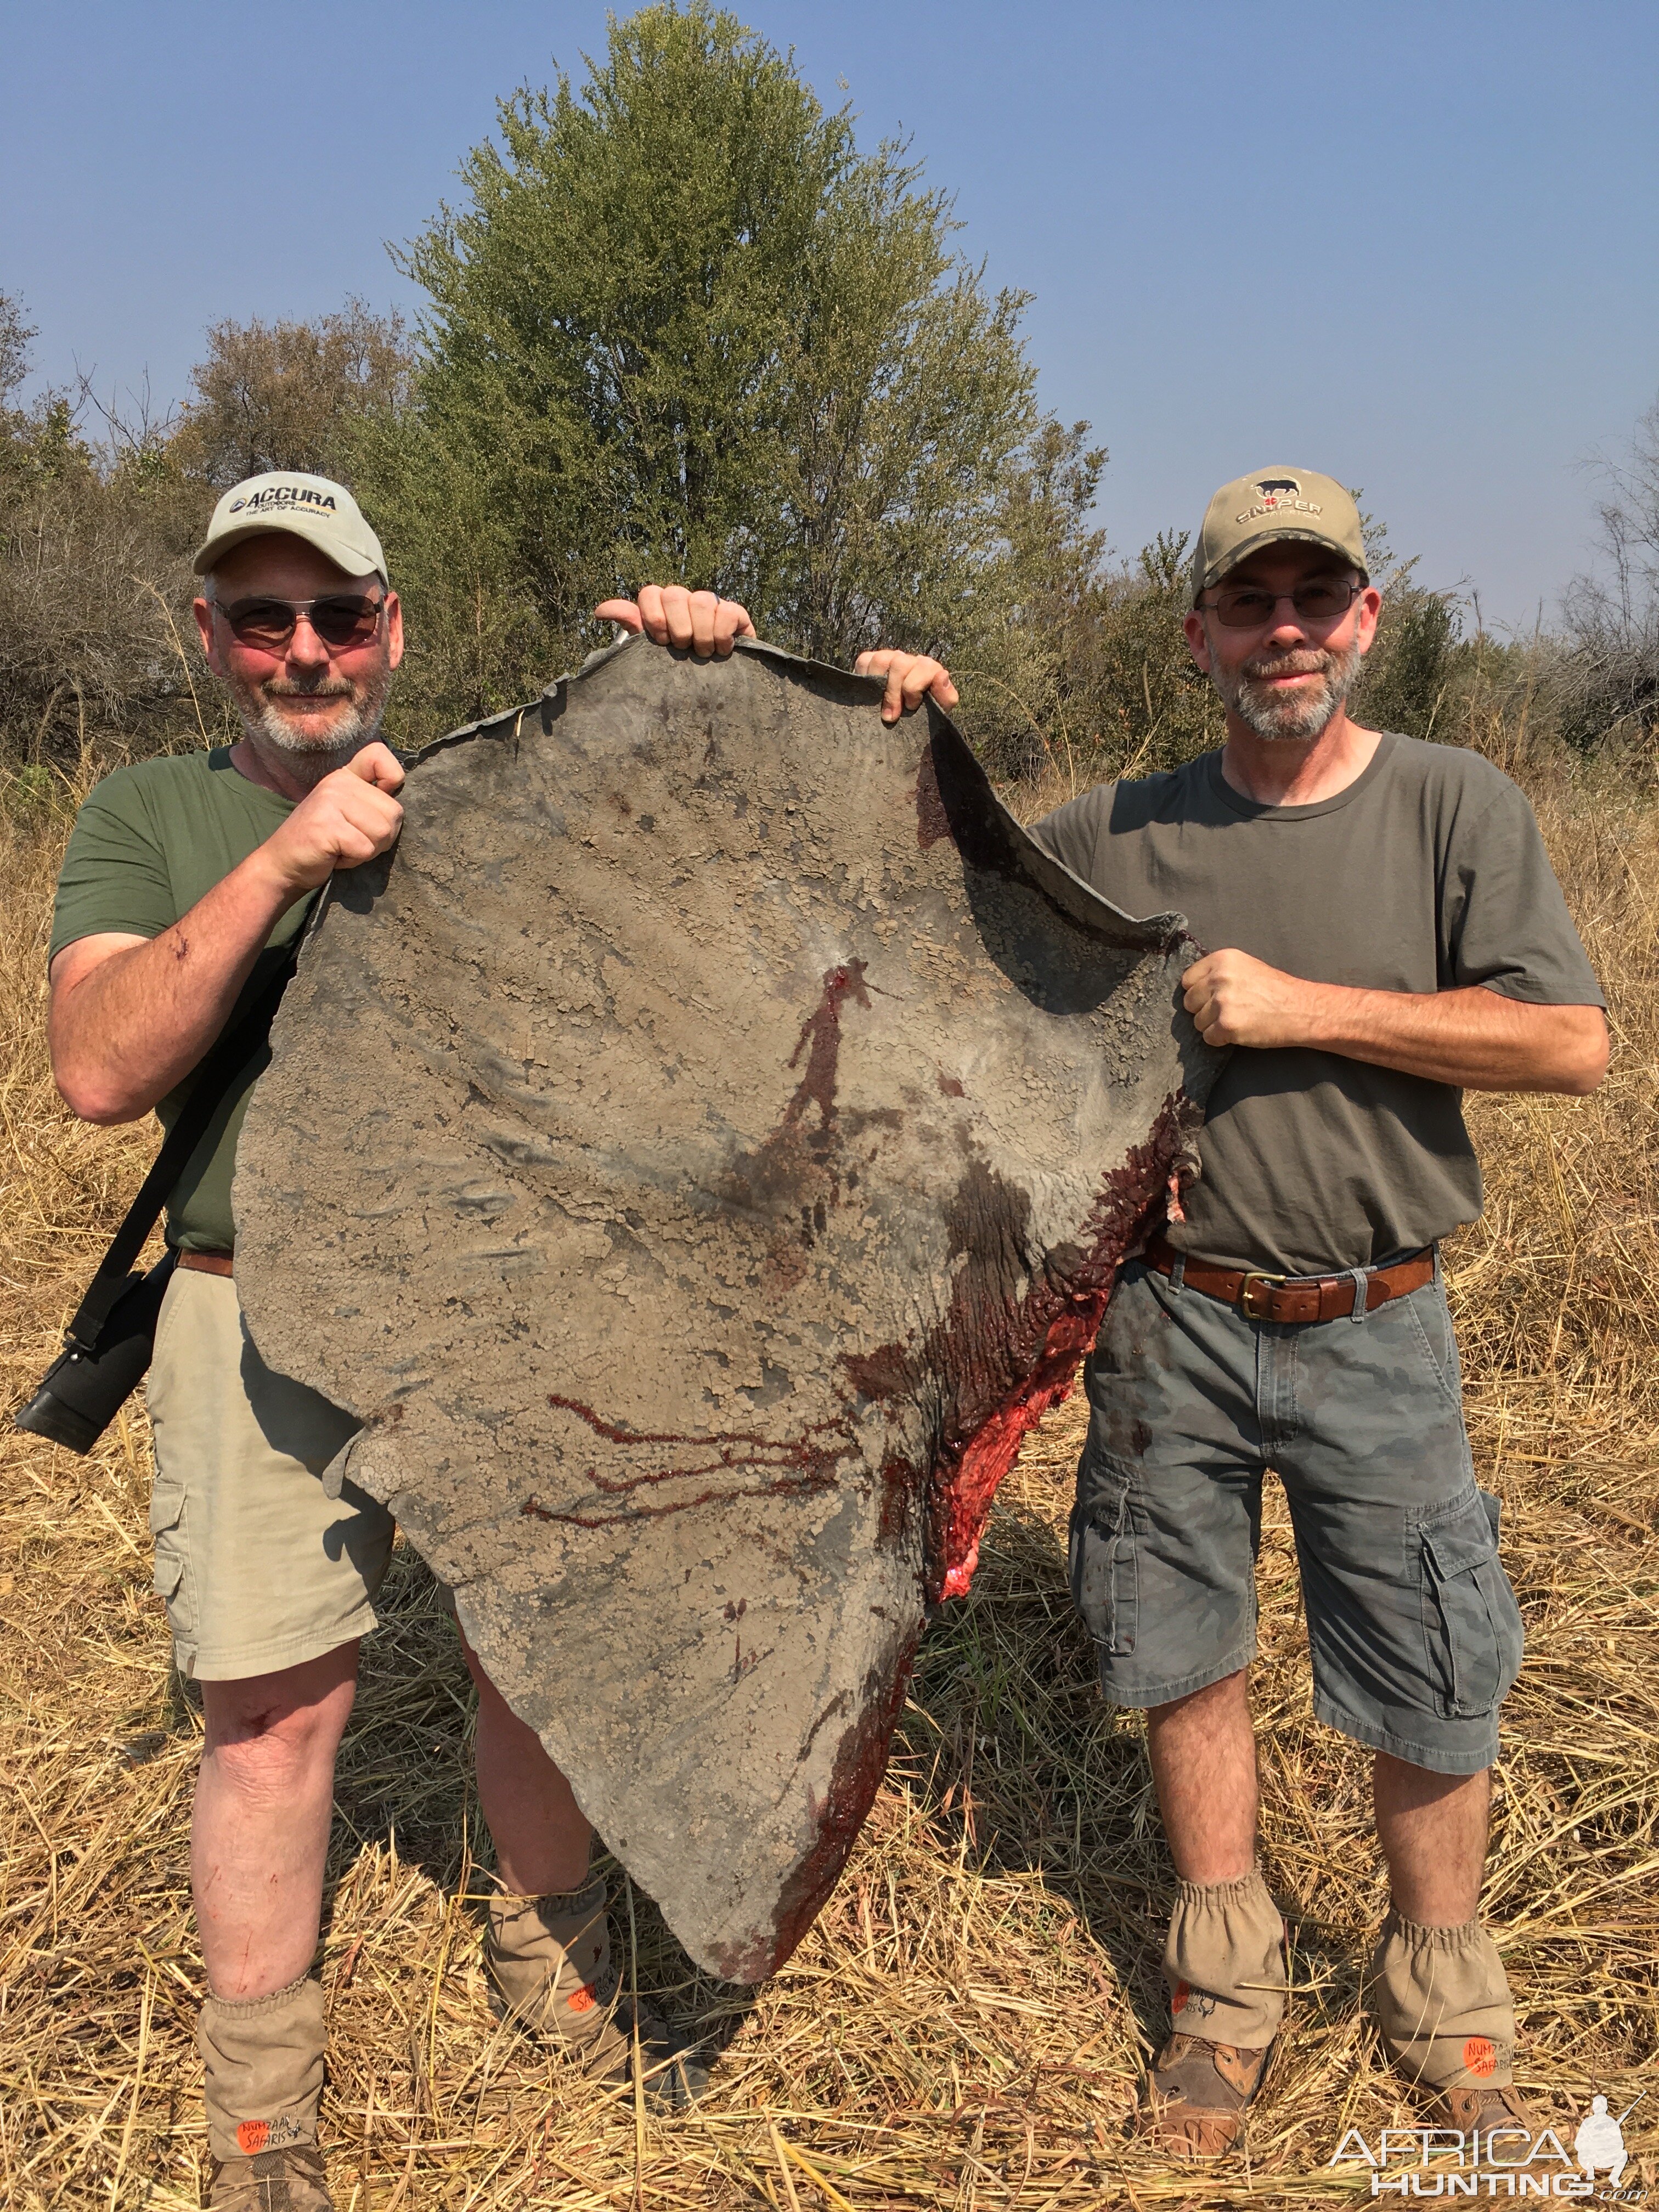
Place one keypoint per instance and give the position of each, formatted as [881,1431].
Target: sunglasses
[268,625]
[1319,599]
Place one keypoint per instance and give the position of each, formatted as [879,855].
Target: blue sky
[1412,245]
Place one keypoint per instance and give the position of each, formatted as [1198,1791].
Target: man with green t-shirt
[186,878]
[1389,934]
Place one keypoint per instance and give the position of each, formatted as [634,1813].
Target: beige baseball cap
[322,512]
[1271,505]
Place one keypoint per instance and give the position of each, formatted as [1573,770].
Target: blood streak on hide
[822,1031]
[798,1464]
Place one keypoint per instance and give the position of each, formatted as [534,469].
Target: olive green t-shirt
[1426,874]
[150,841]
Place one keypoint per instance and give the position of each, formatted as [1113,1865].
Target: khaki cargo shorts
[258,1569]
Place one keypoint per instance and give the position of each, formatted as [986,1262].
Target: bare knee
[1406,1789]
[1230,1695]
[1433,1831]
[269,1734]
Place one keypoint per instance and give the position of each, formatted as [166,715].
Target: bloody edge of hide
[1054,1327]
[1011,1379]
[700,1156]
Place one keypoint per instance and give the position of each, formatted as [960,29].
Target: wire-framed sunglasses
[1317,599]
[341,620]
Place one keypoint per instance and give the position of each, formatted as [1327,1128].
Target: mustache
[1293,663]
[323,687]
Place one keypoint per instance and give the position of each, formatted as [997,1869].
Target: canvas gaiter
[1225,1962]
[1444,2004]
[263,2058]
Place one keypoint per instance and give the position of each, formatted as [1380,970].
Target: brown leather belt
[1262,1297]
[208,1263]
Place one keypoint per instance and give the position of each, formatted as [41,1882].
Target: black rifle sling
[223,1062]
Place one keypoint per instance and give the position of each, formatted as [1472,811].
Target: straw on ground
[968,2023]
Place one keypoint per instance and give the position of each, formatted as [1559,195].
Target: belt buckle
[1270,1283]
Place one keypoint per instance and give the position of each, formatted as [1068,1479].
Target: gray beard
[262,719]
[354,730]
[1290,720]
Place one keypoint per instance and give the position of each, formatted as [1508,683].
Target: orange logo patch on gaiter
[251,2137]
[583,2000]
[1480,2056]
[1178,2003]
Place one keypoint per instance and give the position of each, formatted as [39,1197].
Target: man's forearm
[130,1028]
[1473,1038]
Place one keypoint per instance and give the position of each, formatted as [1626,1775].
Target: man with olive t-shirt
[186,880]
[1393,935]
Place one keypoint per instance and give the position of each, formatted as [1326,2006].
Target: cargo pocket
[1101,1551]
[167,1528]
[1471,1622]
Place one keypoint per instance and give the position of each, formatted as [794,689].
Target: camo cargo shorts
[1415,1633]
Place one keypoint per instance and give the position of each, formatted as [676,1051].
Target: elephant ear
[698,1155]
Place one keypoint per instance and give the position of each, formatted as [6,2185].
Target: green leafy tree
[1019,664]
[40,440]
[1415,666]
[681,328]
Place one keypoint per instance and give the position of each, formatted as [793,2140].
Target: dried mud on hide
[699,1154]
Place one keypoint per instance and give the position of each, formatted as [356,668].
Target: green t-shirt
[150,841]
[1426,874]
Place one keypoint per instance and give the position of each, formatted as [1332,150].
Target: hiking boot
[291,2181]
[1197,2096]
[548,1963]
[1483,2105]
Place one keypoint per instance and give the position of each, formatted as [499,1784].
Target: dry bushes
[97,645]
[966,2023]
[287,395]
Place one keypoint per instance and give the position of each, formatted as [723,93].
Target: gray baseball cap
[322,512]
[1272,505]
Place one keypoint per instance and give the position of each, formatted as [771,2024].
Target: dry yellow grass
[966,2023]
